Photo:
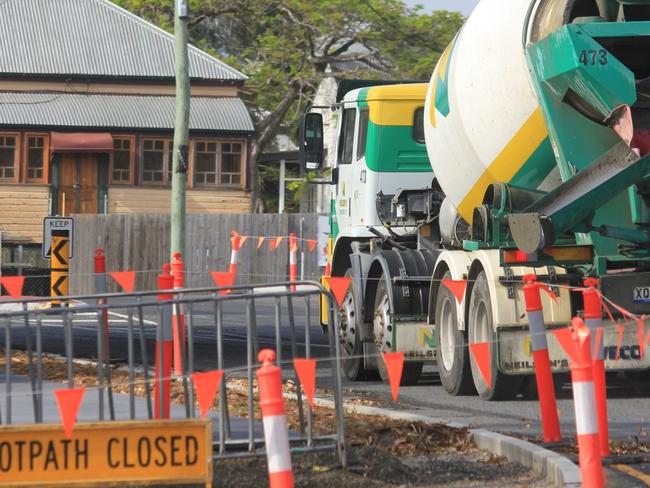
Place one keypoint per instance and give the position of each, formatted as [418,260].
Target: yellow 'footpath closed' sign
[107,453]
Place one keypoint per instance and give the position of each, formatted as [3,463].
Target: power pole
[181,129]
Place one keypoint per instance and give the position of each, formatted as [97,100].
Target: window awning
[80,142]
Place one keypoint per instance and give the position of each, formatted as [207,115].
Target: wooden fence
[141,243]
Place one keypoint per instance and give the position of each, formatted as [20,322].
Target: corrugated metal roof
[92,38]
[60,110]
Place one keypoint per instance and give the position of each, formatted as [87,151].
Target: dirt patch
[374,468]
[381,452]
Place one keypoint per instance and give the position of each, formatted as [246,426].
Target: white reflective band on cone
[584,399]
[233,257]
[276,436]
[293,258]
[537,330]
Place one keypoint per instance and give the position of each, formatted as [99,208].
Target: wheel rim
[348,327]
[382,326]
[447,335]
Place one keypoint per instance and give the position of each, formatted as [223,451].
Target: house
[87,108]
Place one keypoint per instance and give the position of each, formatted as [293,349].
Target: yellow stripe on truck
[511,159]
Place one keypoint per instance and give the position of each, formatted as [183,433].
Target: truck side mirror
[311,141]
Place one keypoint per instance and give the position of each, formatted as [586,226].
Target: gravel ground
[371,467]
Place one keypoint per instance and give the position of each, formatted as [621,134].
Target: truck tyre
[452,351]
[383,329]
[350,336]
[481,329]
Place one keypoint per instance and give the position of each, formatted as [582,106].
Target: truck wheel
[383,333]
[452,351]
[350,336]
[504,387]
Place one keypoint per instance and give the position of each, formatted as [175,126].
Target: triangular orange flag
[13,285]
[565,337]
[339,286]
[207,386]
[126,279]
[481,352]
[306,370]
[394,365]
[643,341]
[260,241]
[275,243]
[457,287]
[312,244]
[69,401]
[223,278]
[548,291]
[242,239]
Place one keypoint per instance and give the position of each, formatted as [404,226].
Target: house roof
[61,110]
[92,38]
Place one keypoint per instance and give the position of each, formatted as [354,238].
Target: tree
[286,46]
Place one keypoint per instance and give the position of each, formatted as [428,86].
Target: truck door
[344,157]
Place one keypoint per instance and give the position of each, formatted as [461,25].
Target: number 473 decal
[593,57]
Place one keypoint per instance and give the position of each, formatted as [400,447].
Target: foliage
[286,46]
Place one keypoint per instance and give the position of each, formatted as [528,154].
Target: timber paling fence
[141,243]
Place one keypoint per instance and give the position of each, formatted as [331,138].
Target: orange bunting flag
[394,365]
[565,337]
[69,401]
[126,279]
[260,241]
[242,239]
[223,279]
[312,244]
[619,342]
[481,353]
[275,243]
[207,386]
[13,285]
[548,291]
[339,287]
[306,371]
[457,287]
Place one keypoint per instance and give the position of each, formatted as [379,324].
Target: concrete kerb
[557,469]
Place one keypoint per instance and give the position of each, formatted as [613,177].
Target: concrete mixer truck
[526,153]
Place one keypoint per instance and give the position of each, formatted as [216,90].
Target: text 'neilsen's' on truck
[528,152]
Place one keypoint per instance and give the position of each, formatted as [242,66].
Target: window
[363,133]
[346,141]
[231,153]
[36,158]
[418,125]
[205,163]
[156,161]
[217,163]
[122,163]
[8,157]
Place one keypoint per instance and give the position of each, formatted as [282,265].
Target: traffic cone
[178,314]
[593,308]
[276,434]
[101,288]
[165,282]
[584,401]
[293,260]
[235,239]
[543,372]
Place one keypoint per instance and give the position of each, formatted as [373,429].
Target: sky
[463,6]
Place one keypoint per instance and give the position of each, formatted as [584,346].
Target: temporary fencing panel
[215,324]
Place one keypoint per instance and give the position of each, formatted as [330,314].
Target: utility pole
[181,129]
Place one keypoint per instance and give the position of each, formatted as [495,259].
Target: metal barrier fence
[141,319]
